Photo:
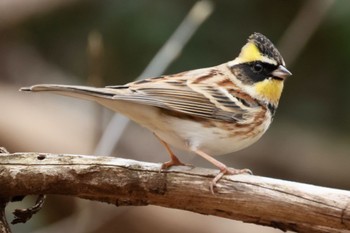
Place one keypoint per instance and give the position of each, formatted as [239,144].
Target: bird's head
[260,69]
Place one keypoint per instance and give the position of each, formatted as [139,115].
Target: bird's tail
[82,92]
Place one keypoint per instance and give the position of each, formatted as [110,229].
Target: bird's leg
[174,161]
[224,170]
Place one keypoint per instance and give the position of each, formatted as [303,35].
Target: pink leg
[174,161]
[224,170]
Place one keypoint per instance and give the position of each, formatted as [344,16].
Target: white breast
[189,135]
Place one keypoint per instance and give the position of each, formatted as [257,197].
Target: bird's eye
[257,68]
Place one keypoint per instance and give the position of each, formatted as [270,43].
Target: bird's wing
[206,93]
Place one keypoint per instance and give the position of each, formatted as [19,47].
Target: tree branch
[281,204]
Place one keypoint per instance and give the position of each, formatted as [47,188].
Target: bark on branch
[281,204]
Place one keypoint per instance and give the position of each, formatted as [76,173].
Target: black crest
[266,47]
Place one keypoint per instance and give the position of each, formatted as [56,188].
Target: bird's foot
[227,171]
[173,162]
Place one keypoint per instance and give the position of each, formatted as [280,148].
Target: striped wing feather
[182,94]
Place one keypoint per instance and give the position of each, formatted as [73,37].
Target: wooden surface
[281,204]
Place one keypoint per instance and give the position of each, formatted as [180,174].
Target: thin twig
[23,215]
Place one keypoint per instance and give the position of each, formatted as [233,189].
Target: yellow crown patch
[250,53]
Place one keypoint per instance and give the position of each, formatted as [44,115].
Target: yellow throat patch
[270,90]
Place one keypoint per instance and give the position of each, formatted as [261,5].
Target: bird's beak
[281,72]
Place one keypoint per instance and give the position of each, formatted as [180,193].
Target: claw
[227,171]
[173,162]
[233,171]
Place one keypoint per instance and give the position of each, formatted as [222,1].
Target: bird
[209,111]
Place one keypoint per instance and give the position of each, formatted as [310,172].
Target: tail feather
[104,96]
[82,92]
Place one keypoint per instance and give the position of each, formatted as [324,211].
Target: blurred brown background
[47,42]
